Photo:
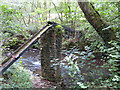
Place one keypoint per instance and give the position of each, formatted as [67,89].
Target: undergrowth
[16,77]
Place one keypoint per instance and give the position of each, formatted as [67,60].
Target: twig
[115,18]
[56,11]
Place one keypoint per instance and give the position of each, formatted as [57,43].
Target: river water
[31,59]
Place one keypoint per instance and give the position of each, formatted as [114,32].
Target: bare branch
[57,13]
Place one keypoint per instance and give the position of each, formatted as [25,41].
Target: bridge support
[51,50]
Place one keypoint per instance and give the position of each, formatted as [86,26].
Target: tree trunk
[1,48]
[102,27]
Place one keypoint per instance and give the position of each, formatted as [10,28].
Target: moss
[59,27]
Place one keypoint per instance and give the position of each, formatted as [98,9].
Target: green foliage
[110,9]
[24,19]
[95,45]
[59,27]
[11,27]
[76,60]
[68,14]
[31,16]
[109,12]
[16,77]
[114,55]
[8,20]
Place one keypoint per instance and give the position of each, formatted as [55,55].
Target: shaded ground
[42,83]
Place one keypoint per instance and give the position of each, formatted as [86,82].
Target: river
[31,60]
